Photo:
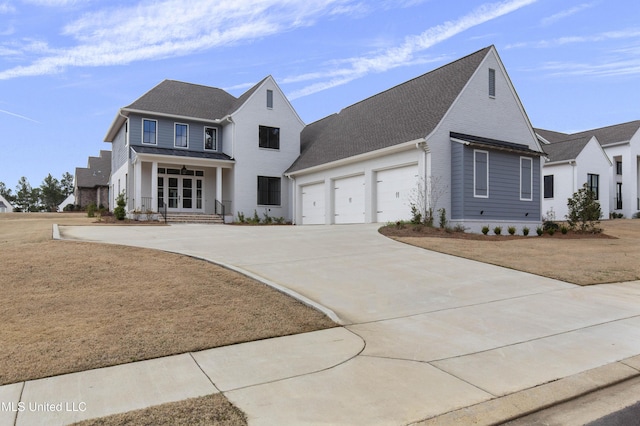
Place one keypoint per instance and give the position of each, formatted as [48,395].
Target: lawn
[72,306]
[579,259]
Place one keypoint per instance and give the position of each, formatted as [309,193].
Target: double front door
[181,193]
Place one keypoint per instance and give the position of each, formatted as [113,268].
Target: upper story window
[210,138]
[492,82]
[149,131]
[270,99]
[593,184]
[548,186]
[481,174]
[181,139]
[618,167]
[526,179]
[269,137]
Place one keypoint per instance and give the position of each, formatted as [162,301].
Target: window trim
[269,99]
[618,168]
[475,174]
[590,177]
[492,83]
[204,141]
[143,132]
[271,203]
[544,181]
[175,128]
[260,127]
[522,159]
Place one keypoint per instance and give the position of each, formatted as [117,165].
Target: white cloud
[404,54]
[6,7]
[608,68]
[566,13]
[560,41]
[54,3]
[18,116]
[171,28]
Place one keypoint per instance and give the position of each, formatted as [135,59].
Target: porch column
[154,187]
[219,184]
[138,185]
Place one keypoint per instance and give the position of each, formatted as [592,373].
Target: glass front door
[181,193]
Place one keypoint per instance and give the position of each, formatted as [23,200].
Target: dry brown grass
[583,261]
[72,306]
[207,410]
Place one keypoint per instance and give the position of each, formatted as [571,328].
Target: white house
[197,149]
[569,165]
[456,138]
[621,143]
[5,206]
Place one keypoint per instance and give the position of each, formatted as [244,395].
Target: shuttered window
[481,174]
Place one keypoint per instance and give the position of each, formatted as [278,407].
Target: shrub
[266,218]
[636,215]
[255,219]
[119,212]
[564,229]
[548,225]
[539,231]
[551,231]
[416,216]
[497,230]
[525,231]
[442,217]
[512,230]
[485,229]
[241,217]
[584,211]
[91,210]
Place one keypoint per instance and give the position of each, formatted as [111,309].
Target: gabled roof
[404,113]
[566,150]
[606,135]
[96,173]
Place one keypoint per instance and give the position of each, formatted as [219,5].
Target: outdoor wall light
[481,211]
[183,171]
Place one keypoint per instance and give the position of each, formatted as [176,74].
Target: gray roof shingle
[606,135]
[403,113]
[96,173]
[566,150]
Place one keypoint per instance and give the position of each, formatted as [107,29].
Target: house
[621,143]
[456,138]
[570,164]
[91,184]
[5,206]
[197,149]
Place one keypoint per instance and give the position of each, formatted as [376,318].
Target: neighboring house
[456,138]
[5,206]
[198,149]
[621,143]
[570,164]
[91,184]
[70,200]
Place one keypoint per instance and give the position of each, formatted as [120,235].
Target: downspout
[424,147]
[294,191]
[573,176]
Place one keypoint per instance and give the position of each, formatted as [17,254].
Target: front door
[182,194]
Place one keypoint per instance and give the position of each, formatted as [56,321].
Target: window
[548,186]
[270,99]
[593,185]
[492,82]
[618,196]
[481,174]
[149,134]
[182,136]
[268,191]
[618,167]
[526,179]
[210,138]
[269,137]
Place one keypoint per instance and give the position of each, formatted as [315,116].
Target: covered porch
[180,182]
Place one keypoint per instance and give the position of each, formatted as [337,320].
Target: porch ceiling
[180,156]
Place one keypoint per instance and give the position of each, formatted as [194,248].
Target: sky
[67,66]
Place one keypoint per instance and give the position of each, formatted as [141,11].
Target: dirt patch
[72,306]
[584,259]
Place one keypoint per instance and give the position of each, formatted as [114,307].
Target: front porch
[193,183]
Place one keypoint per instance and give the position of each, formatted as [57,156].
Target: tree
[66,184]
[423,199]
[6,193]
[25,195]
[51,193]
[584,211]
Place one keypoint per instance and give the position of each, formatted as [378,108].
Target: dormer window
[492,83]
[270,99]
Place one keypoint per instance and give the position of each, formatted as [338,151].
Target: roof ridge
[606,127]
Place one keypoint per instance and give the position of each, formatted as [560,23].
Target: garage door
[393,193]
[349,199]
[313,204]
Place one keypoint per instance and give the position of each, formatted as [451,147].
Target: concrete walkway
[425,335]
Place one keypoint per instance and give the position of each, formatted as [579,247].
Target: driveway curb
[523,403]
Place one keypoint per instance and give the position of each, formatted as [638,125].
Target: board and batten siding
[119,149]
[166,133]
[503,202]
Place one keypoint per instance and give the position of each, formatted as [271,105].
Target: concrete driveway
[436,332]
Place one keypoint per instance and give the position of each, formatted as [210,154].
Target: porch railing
[147,204]
[220,210]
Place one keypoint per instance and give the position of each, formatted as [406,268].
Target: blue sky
[66,66]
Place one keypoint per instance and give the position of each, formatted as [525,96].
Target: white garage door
[349,199]
[313,204]
[393,193]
